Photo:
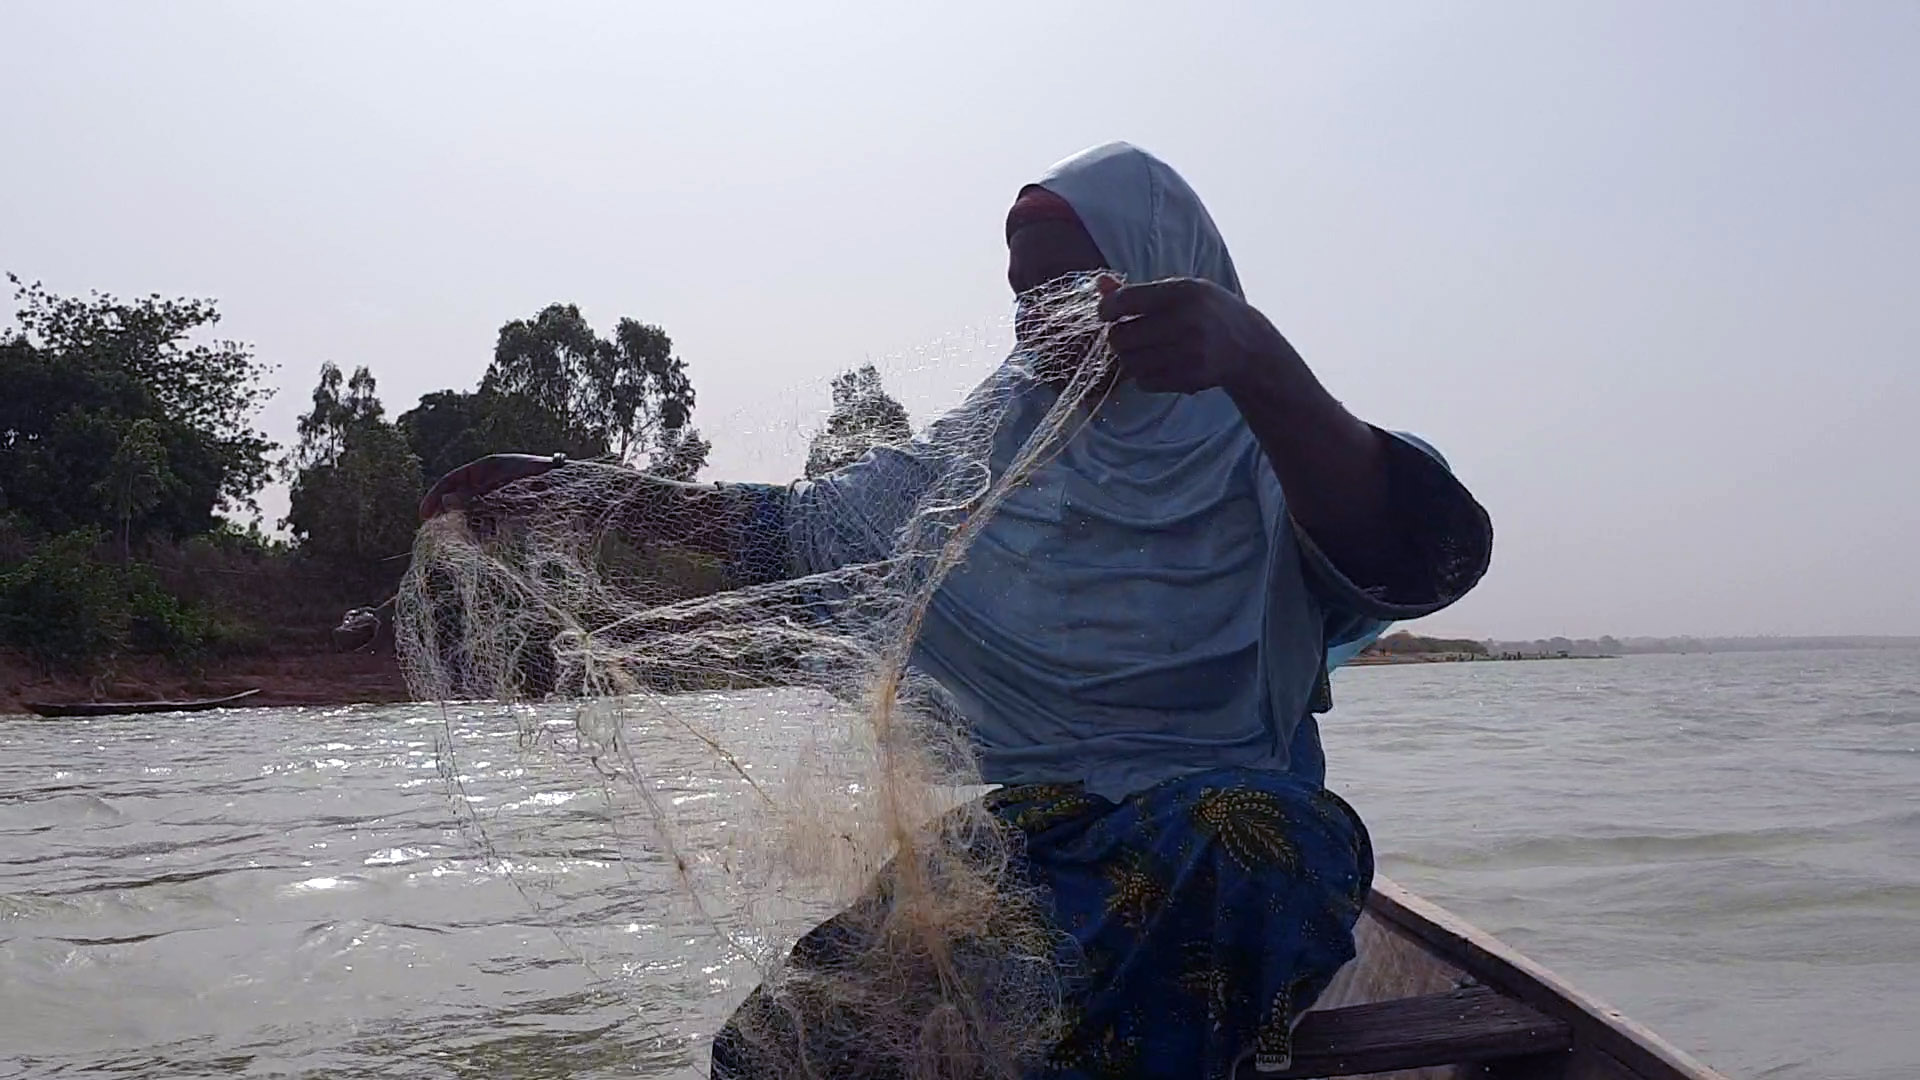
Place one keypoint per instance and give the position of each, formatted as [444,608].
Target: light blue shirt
[1143,607]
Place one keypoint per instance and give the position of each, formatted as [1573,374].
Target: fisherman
[1140,638]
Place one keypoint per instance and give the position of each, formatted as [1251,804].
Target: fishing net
[753,814]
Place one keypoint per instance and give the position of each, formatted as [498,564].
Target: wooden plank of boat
[1471,1024]
[1431,997]
[126,708]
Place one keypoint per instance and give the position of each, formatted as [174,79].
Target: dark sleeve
[760,555]
[1443,536]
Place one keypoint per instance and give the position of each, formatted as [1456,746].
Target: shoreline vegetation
[1406,647]
[133,562]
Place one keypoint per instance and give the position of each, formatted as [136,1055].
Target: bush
[158,623]
[70,609]
[58,607]
[232,637]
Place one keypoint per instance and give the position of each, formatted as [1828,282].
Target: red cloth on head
[1039,204]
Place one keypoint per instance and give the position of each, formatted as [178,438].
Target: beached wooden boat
[1433,998]
[125,708]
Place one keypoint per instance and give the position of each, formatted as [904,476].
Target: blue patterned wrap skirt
[1207,912]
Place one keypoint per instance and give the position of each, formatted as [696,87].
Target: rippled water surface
[1728,847]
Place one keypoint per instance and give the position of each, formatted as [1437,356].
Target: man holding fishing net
[1184,532]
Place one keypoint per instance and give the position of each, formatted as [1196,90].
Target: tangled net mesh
[764,817]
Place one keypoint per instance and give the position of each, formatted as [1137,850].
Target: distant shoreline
[325,678]
[1385,659]
[1409,647]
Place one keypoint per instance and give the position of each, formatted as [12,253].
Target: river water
[1727,847]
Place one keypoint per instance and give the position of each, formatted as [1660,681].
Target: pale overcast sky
[1646,272]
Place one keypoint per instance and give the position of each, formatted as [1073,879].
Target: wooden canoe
[126,708]
[1432,998]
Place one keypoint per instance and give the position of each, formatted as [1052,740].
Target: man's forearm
[1332,466]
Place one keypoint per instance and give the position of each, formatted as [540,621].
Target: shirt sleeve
[1445,541]
[859,514]
[855,515]
[847,517]
[760,552]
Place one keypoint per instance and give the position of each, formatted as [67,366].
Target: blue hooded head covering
[1142,607]
[1144,218]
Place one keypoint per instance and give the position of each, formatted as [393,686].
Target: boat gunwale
[1597,1026]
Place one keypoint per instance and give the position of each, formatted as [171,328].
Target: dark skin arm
[1185,335]
[700,517]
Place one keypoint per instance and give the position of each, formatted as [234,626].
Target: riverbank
[285,678]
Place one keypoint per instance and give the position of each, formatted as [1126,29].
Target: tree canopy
[356,483]
[628,396]
[864,416]
[116,416]
[555,386]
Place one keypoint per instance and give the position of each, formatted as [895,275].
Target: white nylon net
[763,816]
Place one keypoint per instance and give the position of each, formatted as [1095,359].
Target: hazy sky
[1648,273]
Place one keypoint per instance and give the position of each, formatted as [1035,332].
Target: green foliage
[627,396]
[115,417]
[1407,642]
[324,429]
[18,538]
[232,538]
[864,416]
[554,386]
[679,454]
[137,477]
[450,428]
[69,609]
[60,607]
[125,430]
[357,485]
[157,623]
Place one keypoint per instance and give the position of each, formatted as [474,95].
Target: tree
[864,416]
[544,361]
[680,454]
[59,605]
[323,430]
[627,397]
[212,389]
[137,477]
[646,396]
[445,431]
[556,386]
[357,484]
[452,427]
[80,374]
